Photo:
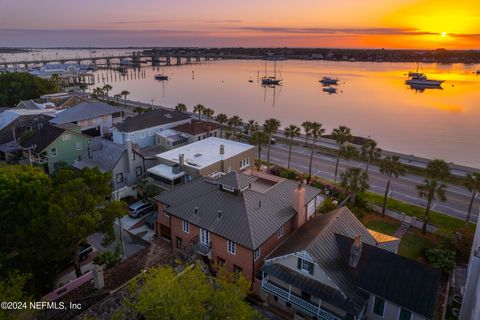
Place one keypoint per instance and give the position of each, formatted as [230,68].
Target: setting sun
[443,34]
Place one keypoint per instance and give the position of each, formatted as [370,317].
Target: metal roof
[84,111]
[151,119]
[248,217]
[104,155]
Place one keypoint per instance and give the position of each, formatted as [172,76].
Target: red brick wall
[161,217]
[243,256]
[177,231]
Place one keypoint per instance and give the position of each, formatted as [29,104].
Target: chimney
[222,149]
[98,280]
[355,252]
[130,164]
[181,160]
[299,205]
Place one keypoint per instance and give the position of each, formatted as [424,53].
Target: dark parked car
[140,208]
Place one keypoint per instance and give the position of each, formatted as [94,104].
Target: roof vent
[259,204]
[219,214]
[168,115]
[196,211]
[355,252]
[222,149]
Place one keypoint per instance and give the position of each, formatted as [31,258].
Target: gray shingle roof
[406,282]
[151,119]
[28,104]
[42,138]
[317,238]
[105,155]
[84,111]
[248,218]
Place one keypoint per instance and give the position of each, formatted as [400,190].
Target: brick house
[235,220]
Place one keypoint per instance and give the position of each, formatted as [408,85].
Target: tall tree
[98,93]
[208,113]
[290,132]
[107,88]
[341,135]
[472,183]
[370,151]
[125,93]
[181,107]
[17,86]
[307,128]
[270,127]
[221,118]
[259,139]
[198,109]
[251,127]
[117,97]
[438,169]
[234,122]
[392,167]
[316,132]
[355,181]
[430,190]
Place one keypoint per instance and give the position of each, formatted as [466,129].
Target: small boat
[419,79]
[328,81]
[250,80]
[161,77]
[478,72]
[272,80]
[330,90]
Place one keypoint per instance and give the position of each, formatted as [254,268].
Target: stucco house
[333,268]
[141,129]
[54,145]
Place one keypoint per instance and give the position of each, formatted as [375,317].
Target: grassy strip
[414,245]
[438,219]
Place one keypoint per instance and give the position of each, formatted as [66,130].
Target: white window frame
[256,254]
[78,146]
[231,247]
[204,236]
[305,265]
[400,310]
[384,306]
[185,226]
[280,232]
[150,132]
[53,153]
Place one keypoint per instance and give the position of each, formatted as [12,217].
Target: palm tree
[290,132]
[438,169]
[117,97]
[258,139]
[251,127]
[181,107]
[234,122]
[208,112]
[107,88]
[270,127]
[125,93]
[392,167]
[316,132]
[341,135]
[307,127]
[431,189]
[221,118]
[98,92]
[355,181]
[370,151]
[198,108]
[83,86]
[228,134]
[472,183]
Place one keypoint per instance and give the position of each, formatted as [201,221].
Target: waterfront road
[403,188]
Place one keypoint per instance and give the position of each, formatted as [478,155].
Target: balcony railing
[297,301]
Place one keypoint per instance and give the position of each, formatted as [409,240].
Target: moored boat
[328,81]
[161,77]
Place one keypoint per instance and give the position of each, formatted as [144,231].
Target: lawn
[442,221]
[414,244]
[385,227]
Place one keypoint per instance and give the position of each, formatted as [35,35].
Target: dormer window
[305,265]
[228,188]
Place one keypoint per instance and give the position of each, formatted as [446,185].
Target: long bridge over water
[134,59]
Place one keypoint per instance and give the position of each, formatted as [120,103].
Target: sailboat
[272,80]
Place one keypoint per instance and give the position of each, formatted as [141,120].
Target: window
[150,132]
[231,247]
[404,314]
[220,261]
[119,177]
[305,265]
[78,145]
[237,269]
[205,237]
[166,214]
[185,226]
[40,126]
[179,242]
[280,232]
[378,306]
[53,152]
[275,298]
[67,137]
[139,170]
[28,128]
[142,135]
[256,254]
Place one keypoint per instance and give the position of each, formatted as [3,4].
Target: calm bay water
[372,100]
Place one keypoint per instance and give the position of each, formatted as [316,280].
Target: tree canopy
[15,87]
[43,219]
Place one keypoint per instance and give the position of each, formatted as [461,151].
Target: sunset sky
[423,24]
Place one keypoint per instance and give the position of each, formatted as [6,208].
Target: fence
[400,216]
[63,290]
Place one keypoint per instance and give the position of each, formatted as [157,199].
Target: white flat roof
[167,133]
[205,152]
[165,171]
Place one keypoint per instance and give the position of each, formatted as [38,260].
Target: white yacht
[328,81]
[419,79]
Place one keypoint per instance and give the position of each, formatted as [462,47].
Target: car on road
[140,208]
[84,250]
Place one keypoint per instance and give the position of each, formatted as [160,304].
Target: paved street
[403,188]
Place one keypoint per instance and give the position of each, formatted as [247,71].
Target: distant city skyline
[407,24]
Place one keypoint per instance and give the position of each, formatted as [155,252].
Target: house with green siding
[51,146]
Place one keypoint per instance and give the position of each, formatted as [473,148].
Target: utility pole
[120,225]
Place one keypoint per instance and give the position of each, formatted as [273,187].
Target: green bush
[107,258]
[441,258]
[327,206]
